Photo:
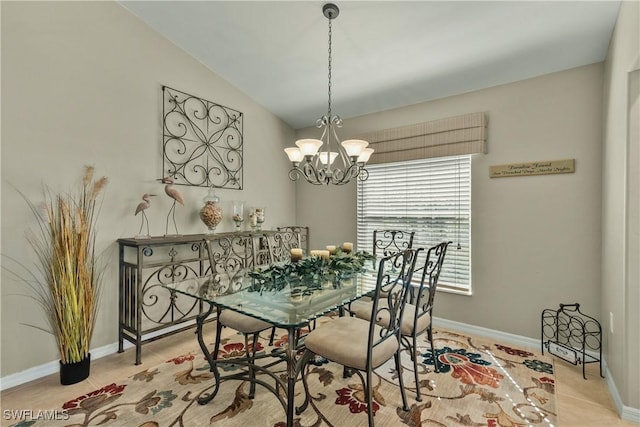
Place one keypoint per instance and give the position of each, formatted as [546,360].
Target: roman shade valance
[465,134]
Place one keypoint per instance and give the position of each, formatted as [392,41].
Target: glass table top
[294,304]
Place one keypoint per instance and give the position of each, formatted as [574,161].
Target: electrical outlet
[611,321]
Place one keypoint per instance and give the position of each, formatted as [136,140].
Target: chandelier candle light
[326,160]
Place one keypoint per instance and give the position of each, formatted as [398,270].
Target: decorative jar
[211,212]
[238,213]
[256,218]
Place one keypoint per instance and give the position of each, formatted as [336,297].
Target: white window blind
[429,196]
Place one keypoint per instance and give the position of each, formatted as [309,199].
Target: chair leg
[405,407]
[414,357]
[369,395]
[346,372]
[251,356]
[273,334]
[433,350]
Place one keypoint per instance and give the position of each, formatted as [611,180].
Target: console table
[148,311]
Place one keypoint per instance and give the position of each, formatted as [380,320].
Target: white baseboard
[630,414]
[626,412]
[49,368]
[499,336]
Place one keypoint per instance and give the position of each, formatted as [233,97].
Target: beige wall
[81,84]
[536,240]
[620,287]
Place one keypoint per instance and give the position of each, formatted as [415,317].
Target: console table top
[186,238]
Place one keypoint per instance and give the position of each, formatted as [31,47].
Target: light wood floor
[581,403]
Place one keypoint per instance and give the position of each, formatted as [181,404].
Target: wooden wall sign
[532,168]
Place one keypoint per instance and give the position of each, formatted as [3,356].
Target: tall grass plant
[69,281]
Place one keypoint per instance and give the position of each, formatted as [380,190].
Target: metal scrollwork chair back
[387,242]
[303,233]
[418,313]
[281,244]
[362,346]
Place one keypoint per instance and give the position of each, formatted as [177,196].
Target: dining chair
[282,242]
[267,248]
[302,231]
[418,309]
[387,242]
[362,346]
[246,325]
[280,245]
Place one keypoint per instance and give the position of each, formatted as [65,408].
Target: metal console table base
[147,311]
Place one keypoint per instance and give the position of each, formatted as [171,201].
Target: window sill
[454,290]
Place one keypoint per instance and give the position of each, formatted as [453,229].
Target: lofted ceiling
[386,54]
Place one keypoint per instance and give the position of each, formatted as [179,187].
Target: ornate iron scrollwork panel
[202,141]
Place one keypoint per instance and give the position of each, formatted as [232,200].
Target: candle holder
[256,218]
[238,213]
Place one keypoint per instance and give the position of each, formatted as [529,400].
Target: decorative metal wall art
[202,141]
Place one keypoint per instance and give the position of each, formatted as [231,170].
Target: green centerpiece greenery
[308,273]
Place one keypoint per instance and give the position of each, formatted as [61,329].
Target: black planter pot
[71,373]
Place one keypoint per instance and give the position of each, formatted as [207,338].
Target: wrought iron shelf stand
[572,336]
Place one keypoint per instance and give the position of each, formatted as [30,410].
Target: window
[429,196]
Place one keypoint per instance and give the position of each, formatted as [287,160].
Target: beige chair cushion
[242,322]
[407,321]
[362,309]
[345,340]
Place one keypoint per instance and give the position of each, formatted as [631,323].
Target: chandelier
[326,160]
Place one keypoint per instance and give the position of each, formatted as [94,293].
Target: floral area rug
[480,383]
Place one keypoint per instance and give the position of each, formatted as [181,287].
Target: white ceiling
[386,54]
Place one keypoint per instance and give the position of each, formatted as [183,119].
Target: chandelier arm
[309,173]
[363,174]
[343,177]
[346,161]
[337,177]
[295,173]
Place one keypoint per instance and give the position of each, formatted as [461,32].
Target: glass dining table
[292,305]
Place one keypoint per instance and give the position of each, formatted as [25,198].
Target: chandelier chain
[329,74]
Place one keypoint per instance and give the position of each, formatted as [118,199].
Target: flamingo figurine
[177,197]
[142,207]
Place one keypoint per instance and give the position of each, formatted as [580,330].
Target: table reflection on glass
[293,306]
